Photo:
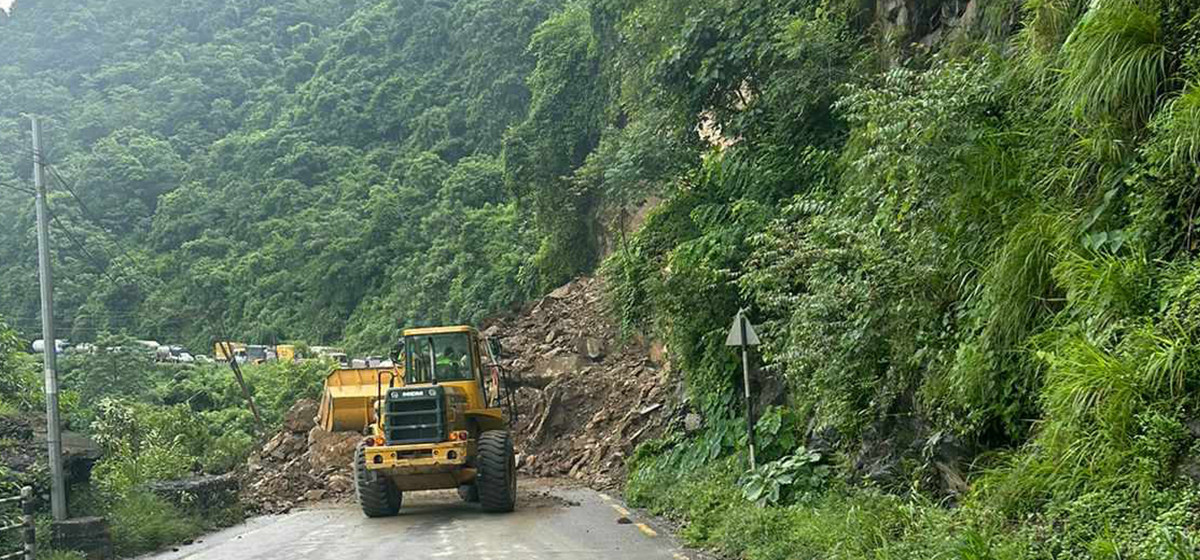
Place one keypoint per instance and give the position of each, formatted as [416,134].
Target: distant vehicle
[160,351]
[60,346]
[202,359]
[176,354]
[220,350]
[285,352]
[336,354]
[257,353]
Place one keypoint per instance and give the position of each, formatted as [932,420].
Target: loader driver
[448,363]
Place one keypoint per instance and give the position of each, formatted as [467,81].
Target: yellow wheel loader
[436,420]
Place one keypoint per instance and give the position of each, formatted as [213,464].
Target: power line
[90,216]
[13,187]
[84,210]
[91,259]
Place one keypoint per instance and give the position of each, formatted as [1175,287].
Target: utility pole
[58,487]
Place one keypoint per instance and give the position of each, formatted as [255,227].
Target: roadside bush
[142,522]
[227,452]
[138,447]
[797,477]
[20,386]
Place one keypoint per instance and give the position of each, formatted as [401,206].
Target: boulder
[206,493]
[561,292]
[301,417]
[591,348]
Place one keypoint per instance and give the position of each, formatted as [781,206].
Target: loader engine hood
[421,414]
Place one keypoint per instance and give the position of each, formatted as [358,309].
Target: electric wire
[13,187]
[90,216]
[90,258]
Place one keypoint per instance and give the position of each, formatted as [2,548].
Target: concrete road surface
[552,521]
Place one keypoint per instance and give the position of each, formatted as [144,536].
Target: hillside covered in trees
[967,227]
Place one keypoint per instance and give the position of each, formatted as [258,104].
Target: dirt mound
[586,398]
[302,463]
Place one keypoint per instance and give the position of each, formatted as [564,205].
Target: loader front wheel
[377,495]
[496,477]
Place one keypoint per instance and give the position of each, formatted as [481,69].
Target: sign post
[742,334]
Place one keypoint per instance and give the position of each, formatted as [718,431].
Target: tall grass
[1048,22]
[1177,129]
[1116,62]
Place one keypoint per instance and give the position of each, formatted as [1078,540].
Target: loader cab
[445,355]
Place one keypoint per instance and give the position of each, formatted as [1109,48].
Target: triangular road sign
[735,332]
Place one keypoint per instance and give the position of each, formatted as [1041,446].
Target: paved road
[552,522]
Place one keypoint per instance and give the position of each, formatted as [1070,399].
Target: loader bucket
[346,401]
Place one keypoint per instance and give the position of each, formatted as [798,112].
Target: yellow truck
[285,352]
[221,351]
[435,420]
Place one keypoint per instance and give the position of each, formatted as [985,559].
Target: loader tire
[469,493]
[496,475]
[377,495]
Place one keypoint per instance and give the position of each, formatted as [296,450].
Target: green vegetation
[269,170]
[153,422]
[975,273]
[969,235]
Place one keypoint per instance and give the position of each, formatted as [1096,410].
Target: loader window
[445,357]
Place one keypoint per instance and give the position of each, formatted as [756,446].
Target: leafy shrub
[796,477]
[61,555]
[20,387]
[776,433]
[136,449]
[227,452]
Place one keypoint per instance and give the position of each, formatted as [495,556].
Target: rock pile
[585,398]
[302,463]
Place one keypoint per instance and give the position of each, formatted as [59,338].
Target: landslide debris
[303,463]
[585,397]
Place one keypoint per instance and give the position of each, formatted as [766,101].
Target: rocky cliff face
[930,23]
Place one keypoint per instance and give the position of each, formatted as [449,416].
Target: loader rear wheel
[377,495]
[497,472]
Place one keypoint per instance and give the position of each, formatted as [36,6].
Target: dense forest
[966,226]
[275,171]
